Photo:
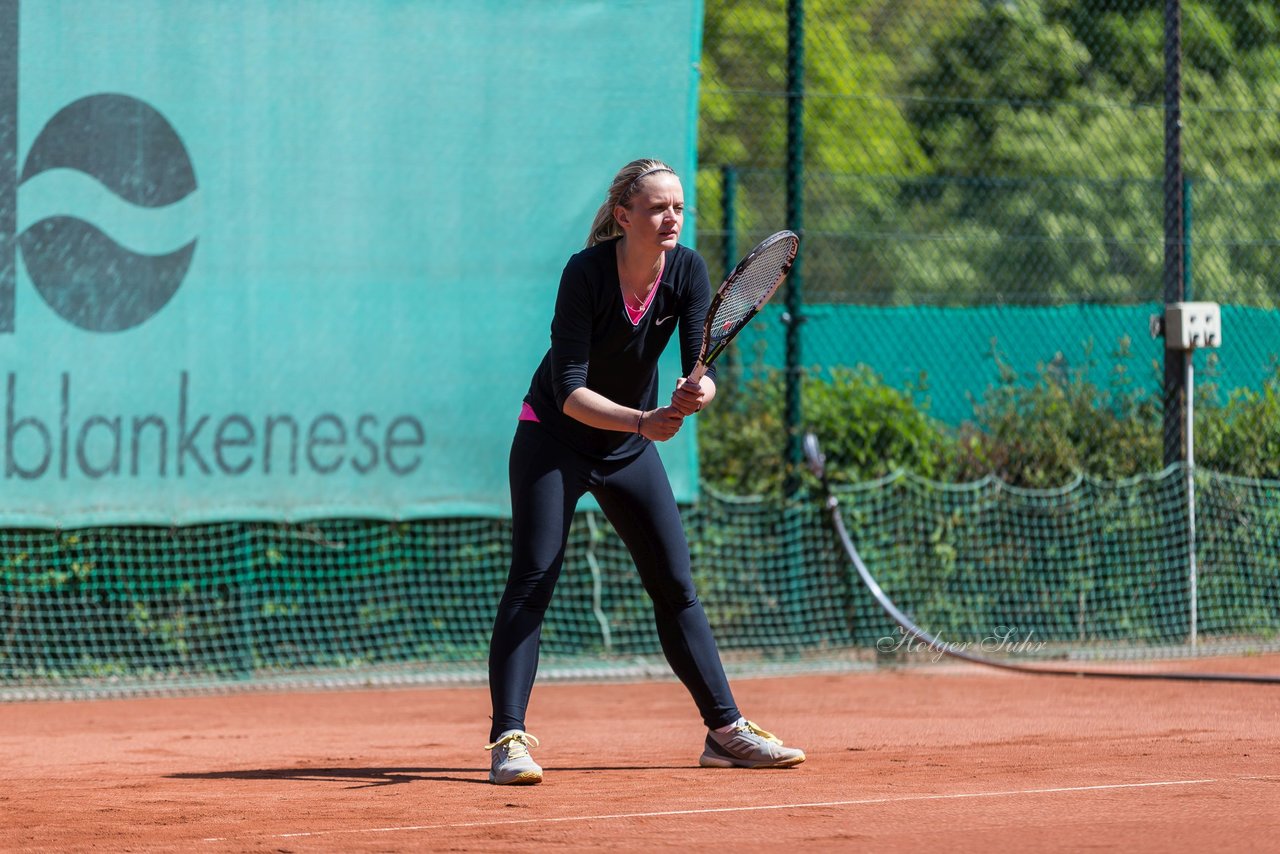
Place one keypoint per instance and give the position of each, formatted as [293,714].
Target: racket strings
[752,285]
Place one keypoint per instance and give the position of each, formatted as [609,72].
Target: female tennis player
[588,425]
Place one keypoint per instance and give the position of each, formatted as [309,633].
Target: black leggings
[547,479]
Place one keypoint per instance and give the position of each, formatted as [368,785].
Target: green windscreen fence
[1091,570]
[949,356]
[298,259]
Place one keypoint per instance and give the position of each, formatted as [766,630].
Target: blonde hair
[623,189]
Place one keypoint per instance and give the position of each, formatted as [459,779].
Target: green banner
[298,259]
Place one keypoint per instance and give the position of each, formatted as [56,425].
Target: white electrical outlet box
[1192,325]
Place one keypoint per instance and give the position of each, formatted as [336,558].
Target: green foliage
[741,436]
[853,136]
[1090,75]
[1038,431]
[1045,431]
[967,152]
[852,48]
[1242,436]
[868,429]
[1051,111]
[996,61]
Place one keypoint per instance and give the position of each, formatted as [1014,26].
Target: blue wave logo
[89,279]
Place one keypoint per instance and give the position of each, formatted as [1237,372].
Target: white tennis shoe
[747,746]
[510,763]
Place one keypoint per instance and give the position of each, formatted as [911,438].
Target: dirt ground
[951,758]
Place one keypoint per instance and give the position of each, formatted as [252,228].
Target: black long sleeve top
[595,345]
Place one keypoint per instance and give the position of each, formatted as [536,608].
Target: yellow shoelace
[767,736]
[517,744]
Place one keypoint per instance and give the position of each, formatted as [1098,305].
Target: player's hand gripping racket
[743,293]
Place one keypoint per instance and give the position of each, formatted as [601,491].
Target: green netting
[949,356]
[1092,568]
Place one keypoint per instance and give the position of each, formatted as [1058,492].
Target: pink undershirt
[633,314]
[637,313]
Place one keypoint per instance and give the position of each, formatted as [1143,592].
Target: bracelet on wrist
[640,423]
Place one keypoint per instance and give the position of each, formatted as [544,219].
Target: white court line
[757,808]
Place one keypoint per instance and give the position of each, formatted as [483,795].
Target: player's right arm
[596,410]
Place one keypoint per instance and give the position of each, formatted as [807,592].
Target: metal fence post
[1175,425]
[1178,363]
[1187,292]
[795,221]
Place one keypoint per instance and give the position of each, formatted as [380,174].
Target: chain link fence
[983,198]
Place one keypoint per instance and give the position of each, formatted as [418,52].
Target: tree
[1043,121]
[856,137]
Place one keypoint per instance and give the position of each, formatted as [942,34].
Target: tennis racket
[745,291]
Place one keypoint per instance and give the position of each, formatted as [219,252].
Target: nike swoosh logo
[662,320]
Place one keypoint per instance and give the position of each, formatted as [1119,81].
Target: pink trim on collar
[634,315]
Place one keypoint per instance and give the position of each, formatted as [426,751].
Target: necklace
[636,301]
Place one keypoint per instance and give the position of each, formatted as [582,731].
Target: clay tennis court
[951,757]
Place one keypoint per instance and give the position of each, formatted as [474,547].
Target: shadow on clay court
[364,778]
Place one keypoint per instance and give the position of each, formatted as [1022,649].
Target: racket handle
[696,375]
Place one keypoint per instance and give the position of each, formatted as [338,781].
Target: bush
[1061,424]
[1242,436]
[1040,431]
[867,428]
